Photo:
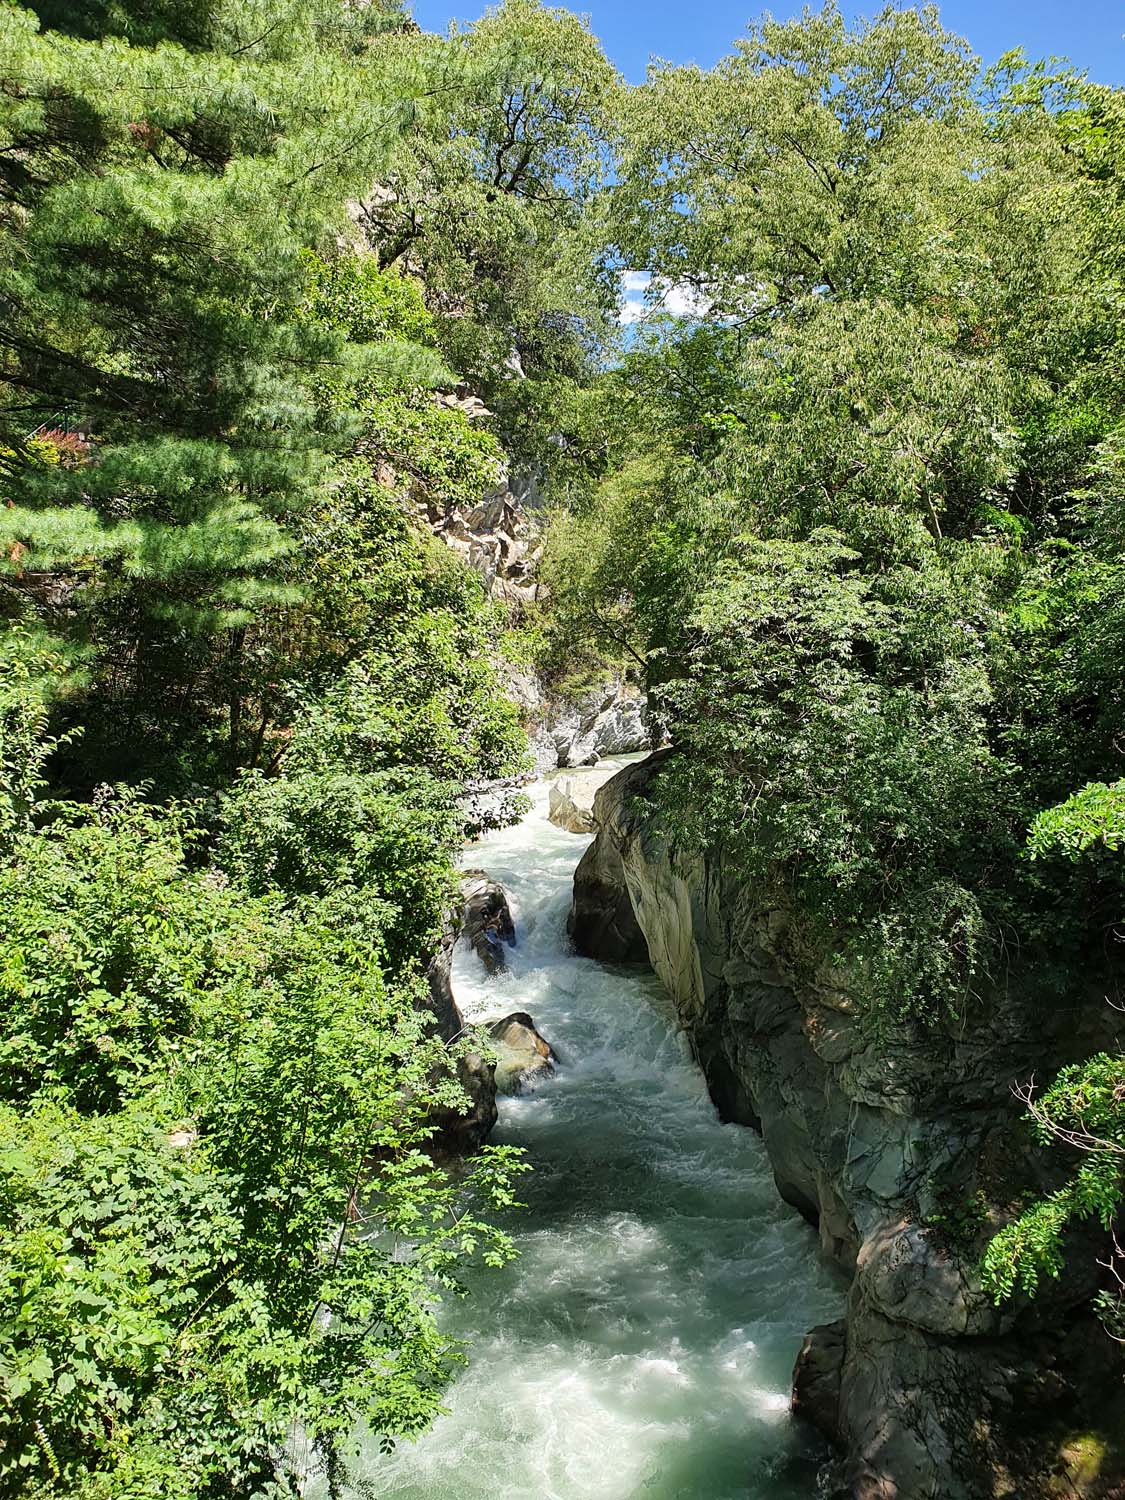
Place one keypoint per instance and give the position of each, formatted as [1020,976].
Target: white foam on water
[642,1345]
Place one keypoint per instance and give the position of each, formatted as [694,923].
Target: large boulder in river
[461,1131]
[523,1055]
[818,1375]
[571,798]
[486,920]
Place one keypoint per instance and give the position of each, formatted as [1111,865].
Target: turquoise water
[641,1347]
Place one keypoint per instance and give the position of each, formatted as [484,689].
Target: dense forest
[842,486]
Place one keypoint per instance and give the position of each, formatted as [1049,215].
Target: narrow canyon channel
[642,1344]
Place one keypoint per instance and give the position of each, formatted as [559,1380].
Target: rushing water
[641,1347]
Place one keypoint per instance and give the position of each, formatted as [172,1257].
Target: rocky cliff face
[496,537]
[609,718]
[501,538]
[929,1389]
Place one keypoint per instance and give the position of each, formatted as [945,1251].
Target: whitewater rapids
[641,1347]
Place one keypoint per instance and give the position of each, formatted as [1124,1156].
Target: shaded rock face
[602,922]
[571,798]
[460,1133]
[864,1138]
[523,1056]
[818,1375]
[486,920]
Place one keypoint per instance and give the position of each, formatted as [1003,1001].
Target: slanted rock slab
[571,799]
[523,1055]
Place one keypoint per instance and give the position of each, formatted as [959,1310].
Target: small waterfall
[642,1345]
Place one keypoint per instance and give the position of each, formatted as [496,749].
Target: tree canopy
[853,514]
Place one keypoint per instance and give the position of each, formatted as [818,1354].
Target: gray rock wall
[608,719]
[867,1139]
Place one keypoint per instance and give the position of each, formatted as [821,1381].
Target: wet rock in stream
[486,920]
[523,1054]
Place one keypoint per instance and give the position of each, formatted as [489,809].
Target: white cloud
[643,295]
[684,301]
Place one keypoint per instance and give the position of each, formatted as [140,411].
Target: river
[642,1345]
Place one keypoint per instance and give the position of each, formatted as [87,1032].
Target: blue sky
[1089,32]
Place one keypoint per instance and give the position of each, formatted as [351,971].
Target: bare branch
[1080,1138]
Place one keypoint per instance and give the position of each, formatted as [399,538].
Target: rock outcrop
[579,730]
[496,537]
[501,538]
[486,920]
[570,800]
[460,1132]
[602,922]
[523,1056]
[869,1139]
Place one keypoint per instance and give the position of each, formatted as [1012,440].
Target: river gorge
[643,1344]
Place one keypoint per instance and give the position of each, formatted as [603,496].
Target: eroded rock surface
[571,798]
[868,1139]
[602,922]
[497,538]
[486,920]
[501,538]
[579,730]
[524,1056]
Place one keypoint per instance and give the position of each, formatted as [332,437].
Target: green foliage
[221,1225]
[1084,1109]
[831,724]
[26,666]
[141,286]
[429,704]
[224,1235]
[437,446]
[490,195]
[380,836]
[351,294]
[168,320]
[959,1219]
[100,960]
[1093,817]
[854,513]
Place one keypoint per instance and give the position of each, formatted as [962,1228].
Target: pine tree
[166,167]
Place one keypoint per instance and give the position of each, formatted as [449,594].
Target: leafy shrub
[1092,818]
[351,294]
[1085,1109]
[451,457]
[430,702]
[834,741]
[383,838]
[105,949]
[219,1222]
